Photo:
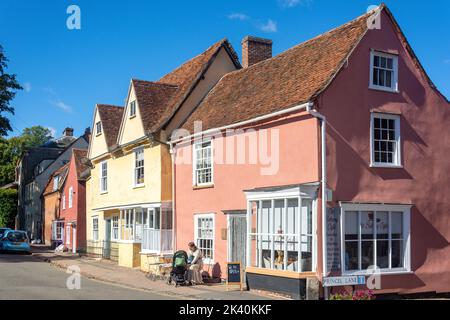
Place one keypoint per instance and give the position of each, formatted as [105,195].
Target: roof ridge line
[156,82]
[380,7]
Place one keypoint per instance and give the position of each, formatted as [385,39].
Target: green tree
[8,88]
[8,207]
[35,136]
[11,150]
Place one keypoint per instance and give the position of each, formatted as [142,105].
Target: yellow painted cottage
[129,191]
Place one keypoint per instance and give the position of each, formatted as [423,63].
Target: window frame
[194,163]
[70,204]
[135,168]
[63,200]
[102,177]
[55,183]
[95,228]
[206,261]
[397,157]
[115,225]
[133,108]
[98,128]
[406,225]
[58,224]
[394,79]
[67,234]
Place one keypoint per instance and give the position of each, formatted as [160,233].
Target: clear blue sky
[66,73]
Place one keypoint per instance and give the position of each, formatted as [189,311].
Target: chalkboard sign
[333,239]
[234,274]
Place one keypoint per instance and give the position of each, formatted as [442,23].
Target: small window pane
[376,61]
[383,254]
[351,225]
[351,255]
[367,225]
[397,225]
[382,225]
[397,254]
[367,254]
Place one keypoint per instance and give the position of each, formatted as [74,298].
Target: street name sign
[344,281]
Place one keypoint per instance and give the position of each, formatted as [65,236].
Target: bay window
[152,227]
[281,230]
[375,235]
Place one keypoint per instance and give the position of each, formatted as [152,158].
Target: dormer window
[383,71]
[98,128]
[132,109]
[55,183]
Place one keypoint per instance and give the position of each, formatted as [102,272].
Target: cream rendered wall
[121,190]
[132,128]
[221,65]
[98,146]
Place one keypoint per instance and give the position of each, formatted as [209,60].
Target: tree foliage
[11,149]
[8,207]
[8,88]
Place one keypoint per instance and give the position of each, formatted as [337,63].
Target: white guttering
[174,222]
[323,126]
[305,106]
[172,157]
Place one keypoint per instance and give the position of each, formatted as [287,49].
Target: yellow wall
[129,255]
[132,128]
[98,145]
[222,64]
[121,190]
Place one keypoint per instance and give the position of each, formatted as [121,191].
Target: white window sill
[138,186]
[98,134]
[382,272]
[103,192]
[386,166]
[203,186]
[384,89]
[128,241]
[133,116]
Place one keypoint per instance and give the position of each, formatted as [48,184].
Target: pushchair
[179,268]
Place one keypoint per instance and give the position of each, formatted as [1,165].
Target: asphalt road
[26,277]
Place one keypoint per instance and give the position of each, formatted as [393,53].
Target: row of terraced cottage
[325,160]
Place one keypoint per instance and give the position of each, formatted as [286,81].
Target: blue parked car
[16,241]
[2,231]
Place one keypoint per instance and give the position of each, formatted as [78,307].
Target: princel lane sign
[344,281]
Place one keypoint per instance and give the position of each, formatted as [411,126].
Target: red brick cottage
[73,203]
[358,143]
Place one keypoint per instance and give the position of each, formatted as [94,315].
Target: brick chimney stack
[255,50]
[68,132]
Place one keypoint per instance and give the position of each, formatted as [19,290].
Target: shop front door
[237,238]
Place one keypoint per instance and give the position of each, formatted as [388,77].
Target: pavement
[109,272]
[24,277]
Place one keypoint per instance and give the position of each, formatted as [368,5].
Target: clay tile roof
[153,99]
[80,165]
[185,78]
[111,117]
[293,77]
[62,172]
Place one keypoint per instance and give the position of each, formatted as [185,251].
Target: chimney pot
[255,50]
[68,132]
